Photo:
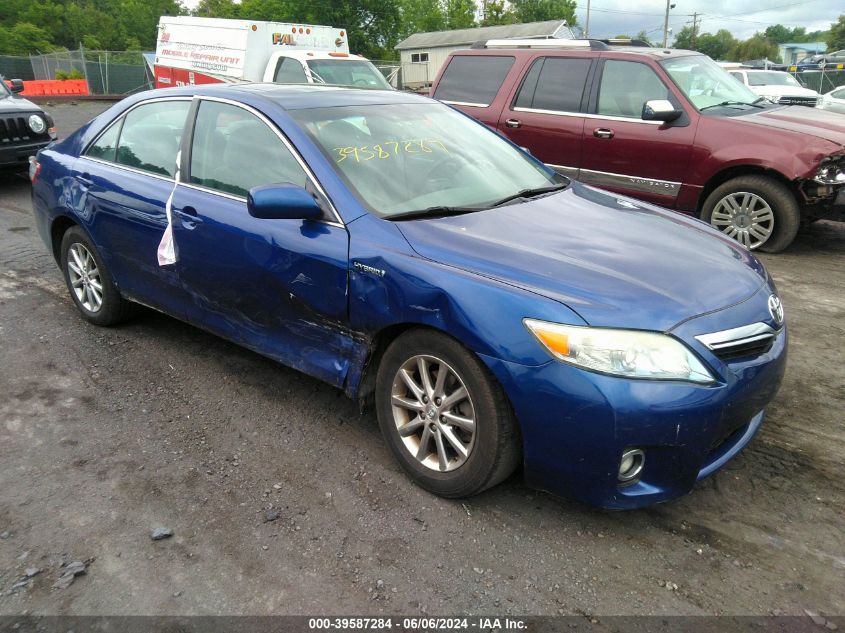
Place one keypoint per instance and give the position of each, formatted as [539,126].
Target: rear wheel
[89,281]
[444,417]
[756,211]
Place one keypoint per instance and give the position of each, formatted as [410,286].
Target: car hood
[614,261]
[804,120]
[17,104]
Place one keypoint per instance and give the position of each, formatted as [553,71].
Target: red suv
[666,126]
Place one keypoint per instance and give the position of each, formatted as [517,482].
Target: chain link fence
[822,81]
[107,72]
[12,67]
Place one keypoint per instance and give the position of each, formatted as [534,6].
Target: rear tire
[757,211]
[449,444]
[89,281]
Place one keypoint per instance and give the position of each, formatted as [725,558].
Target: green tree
[540,10]
[756,47]
[718,45]
[24,38]
[460,14]
[836,35]
[497,12]
[420,16]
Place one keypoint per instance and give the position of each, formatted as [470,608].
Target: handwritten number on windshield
[388,149]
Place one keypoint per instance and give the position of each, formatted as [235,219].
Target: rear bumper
[576,424]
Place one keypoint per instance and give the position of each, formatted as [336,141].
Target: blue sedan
[494,313]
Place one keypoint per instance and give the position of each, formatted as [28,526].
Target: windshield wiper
[529,193]
[434,212]
[730,103]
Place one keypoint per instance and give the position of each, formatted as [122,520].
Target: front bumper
[14,156]
[575,424]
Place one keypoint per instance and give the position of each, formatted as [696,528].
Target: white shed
[422,54]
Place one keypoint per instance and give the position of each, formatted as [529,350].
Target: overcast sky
[741,17]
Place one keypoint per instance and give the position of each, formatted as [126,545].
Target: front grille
[804,101]
[14,130]
[748,341]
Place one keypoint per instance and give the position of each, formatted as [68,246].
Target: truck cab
[322,67]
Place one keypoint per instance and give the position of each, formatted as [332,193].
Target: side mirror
[660,110]
[16,85]
[282,202]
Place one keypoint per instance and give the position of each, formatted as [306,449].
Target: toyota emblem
[776,309]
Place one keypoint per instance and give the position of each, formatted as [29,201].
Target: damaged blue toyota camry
[493,312]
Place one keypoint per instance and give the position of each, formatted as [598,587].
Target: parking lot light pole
[666,23]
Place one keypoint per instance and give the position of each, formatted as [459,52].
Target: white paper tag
[167,247]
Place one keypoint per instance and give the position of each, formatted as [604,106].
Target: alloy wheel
[433,413]
[85,278]
[744,216]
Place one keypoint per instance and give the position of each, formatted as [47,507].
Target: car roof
[290,96]
[643,51]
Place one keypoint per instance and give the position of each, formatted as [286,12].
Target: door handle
[513,123]
[189,217]
[602,132]
[189,210]
[85,178]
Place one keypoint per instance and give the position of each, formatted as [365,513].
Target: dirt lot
[106,434]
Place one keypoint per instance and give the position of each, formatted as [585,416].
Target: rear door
[621,152]
[127,174]
[545,114]
[471,83]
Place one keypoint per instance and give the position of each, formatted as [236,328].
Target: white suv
[777,86]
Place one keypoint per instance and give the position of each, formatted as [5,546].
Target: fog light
[631,464]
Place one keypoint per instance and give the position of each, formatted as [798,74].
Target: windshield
[347,72]
[411,157]
[772,79]
[705,83]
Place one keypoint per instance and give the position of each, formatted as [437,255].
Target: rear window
[473,80]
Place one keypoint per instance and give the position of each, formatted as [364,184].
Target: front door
[621,152]
[276,286]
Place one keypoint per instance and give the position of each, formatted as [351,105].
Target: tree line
[374,26]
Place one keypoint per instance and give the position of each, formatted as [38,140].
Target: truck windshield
[706,85]
[347,72]
[417,157]
[4,90]
[772,79]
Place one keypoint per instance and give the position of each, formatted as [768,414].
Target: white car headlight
[628,353]
[37,123]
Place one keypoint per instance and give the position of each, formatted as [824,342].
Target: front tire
[89,281]
[756,211]
[444,417]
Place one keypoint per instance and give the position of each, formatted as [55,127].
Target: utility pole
[587,26]
[669,5]
[694,28]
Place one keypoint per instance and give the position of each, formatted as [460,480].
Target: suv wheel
[756,211]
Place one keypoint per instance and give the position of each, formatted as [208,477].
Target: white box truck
[192,50]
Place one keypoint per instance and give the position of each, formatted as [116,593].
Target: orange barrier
[54,87]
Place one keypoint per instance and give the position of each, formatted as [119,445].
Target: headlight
[628,353]
[831,171]
[37,124]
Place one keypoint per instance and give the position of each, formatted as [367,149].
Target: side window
[473,79]
[737,76]
[289,71]
[626,86]
[560,84]
[419,57]
[234,151]
[529,85]
[106,145]
[839,94]
[151,135]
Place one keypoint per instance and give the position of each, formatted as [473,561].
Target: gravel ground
[282,499]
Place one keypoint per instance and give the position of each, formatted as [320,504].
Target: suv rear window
[554,83]
[473,80]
